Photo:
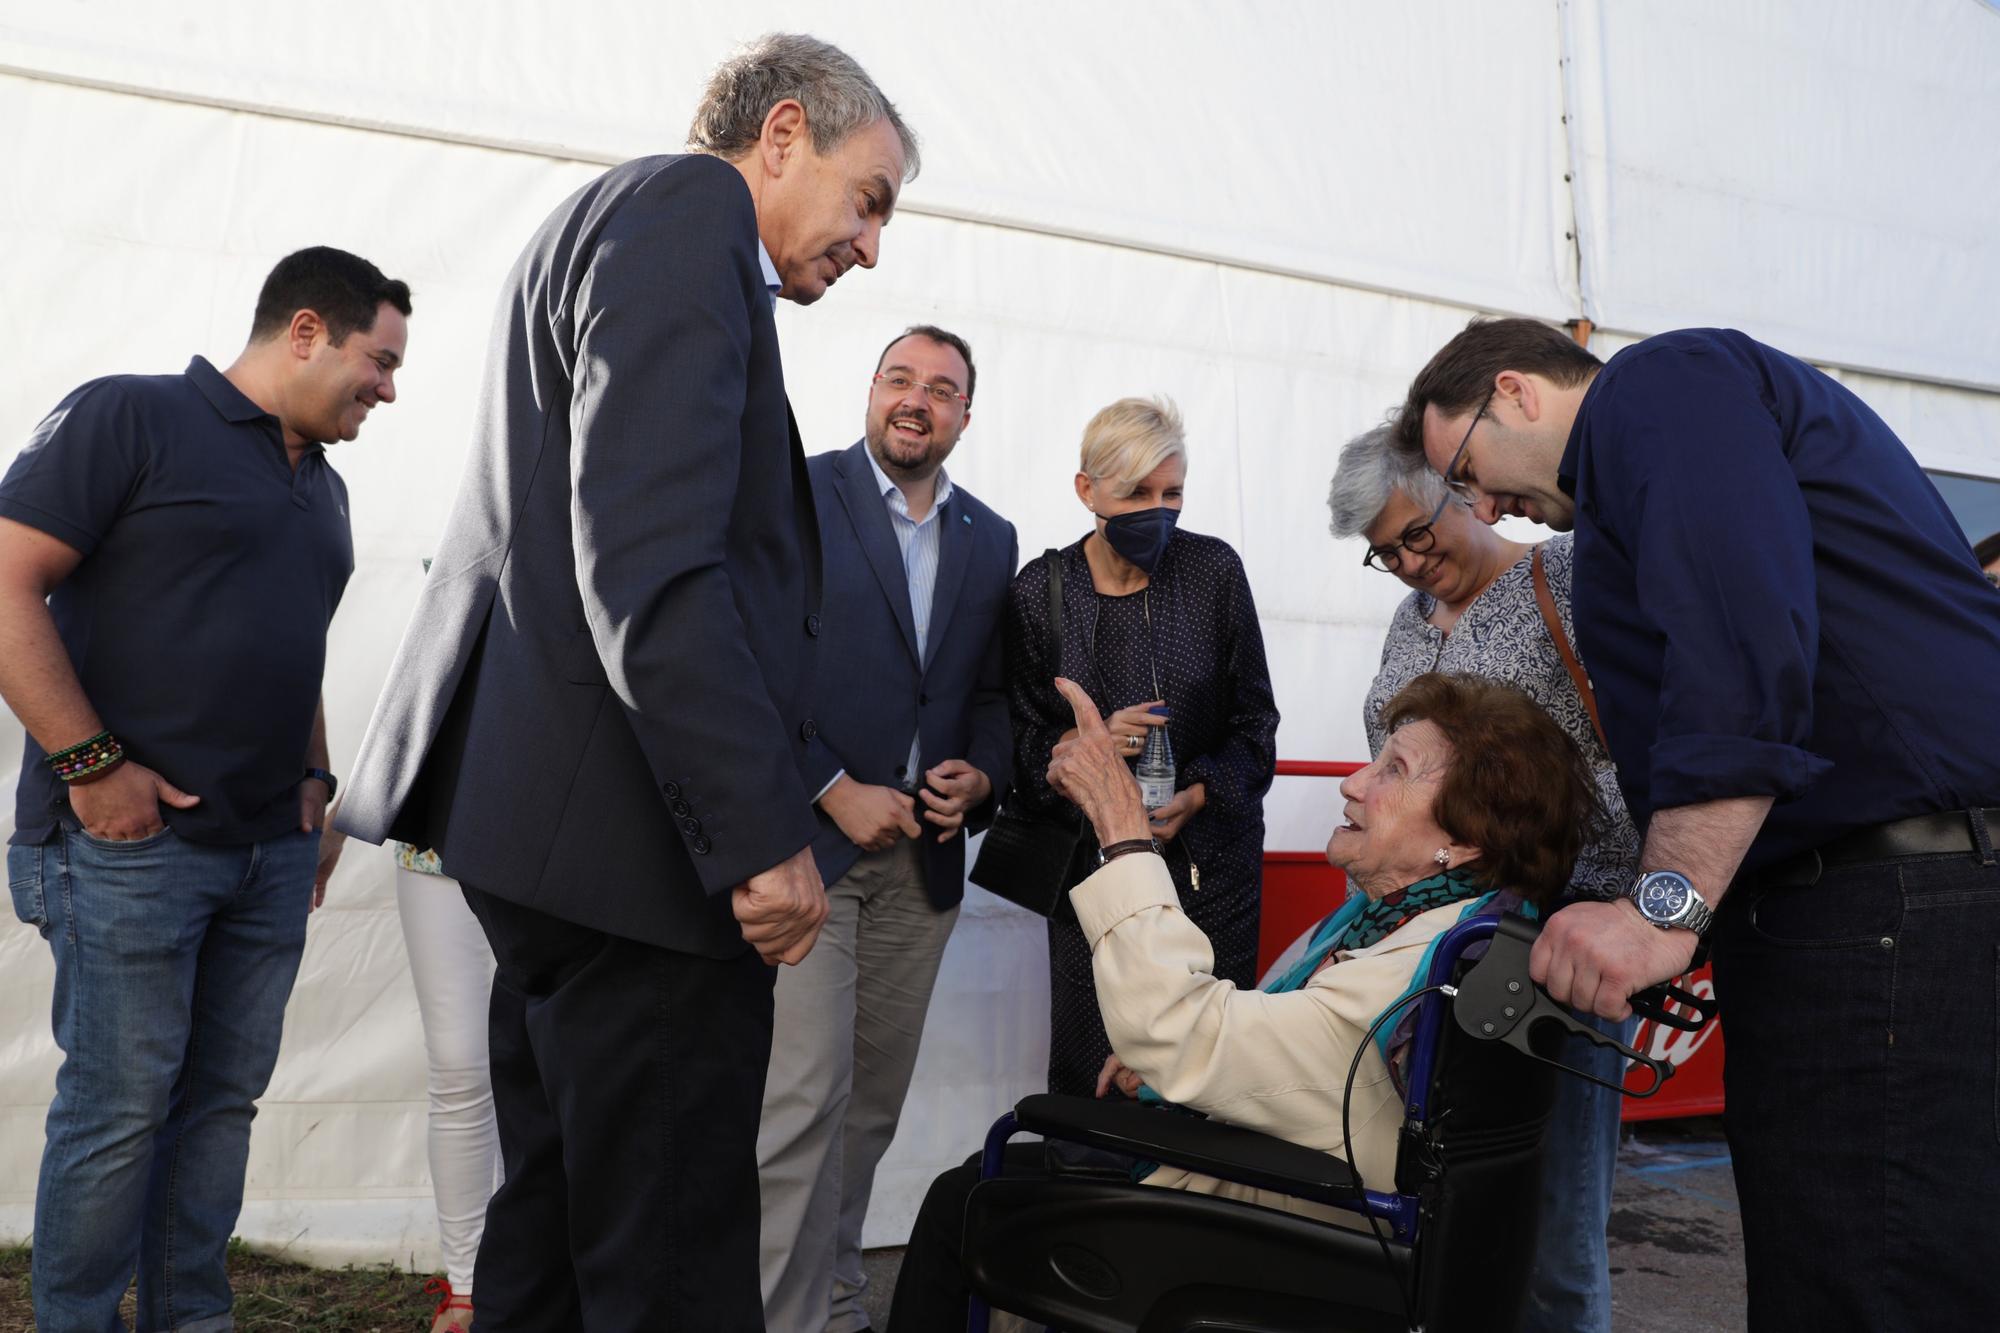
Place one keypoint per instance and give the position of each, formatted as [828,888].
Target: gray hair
[1370,468]
[836,92]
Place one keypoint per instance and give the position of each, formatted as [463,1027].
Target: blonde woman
[1153,618]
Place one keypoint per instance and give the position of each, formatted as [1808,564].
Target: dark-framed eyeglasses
[1417,540]
[941,394]
[1456,484]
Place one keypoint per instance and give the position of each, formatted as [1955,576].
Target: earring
[1443,857]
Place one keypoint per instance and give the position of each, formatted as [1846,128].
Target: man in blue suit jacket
[912,715]
[599,718]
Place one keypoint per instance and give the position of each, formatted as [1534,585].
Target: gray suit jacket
[873,691]
[599,710]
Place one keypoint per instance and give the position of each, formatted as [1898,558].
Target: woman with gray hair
[1157,625]
[1486,606]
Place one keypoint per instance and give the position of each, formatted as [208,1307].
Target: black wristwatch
[1129,847]
[332,783]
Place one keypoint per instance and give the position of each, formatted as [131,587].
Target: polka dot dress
[1196,624]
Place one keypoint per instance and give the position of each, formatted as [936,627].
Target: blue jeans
[1570,1291]
[173,964]
[1864,1092]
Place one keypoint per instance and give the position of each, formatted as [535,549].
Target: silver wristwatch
[1668,900]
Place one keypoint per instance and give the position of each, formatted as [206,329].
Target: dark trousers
[626,1080]
[1864,1092]
[931,1294]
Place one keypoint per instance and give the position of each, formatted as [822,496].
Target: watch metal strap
[1699,915]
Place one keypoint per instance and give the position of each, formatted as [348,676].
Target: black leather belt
[1945,833]
[1919,835]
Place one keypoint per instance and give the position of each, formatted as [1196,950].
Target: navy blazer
[598,710]
[873,692]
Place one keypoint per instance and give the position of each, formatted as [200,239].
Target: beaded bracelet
[88,759]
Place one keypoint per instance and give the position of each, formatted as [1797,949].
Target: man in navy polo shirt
[172,548]
[1797,661]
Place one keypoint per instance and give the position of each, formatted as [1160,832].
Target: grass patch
[273,1296]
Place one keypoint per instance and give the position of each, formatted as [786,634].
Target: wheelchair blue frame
[1399,1210]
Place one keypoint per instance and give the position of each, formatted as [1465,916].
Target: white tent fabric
[1121,121]
[1818,175]
[1274,215]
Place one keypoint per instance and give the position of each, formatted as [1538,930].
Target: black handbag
[1033,858]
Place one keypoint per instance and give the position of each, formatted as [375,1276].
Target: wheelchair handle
[1690,1013]
[1498,1001]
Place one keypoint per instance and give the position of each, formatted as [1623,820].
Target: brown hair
[1460,376]
[1517,787]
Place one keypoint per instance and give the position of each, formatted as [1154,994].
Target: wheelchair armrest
[1208,1146]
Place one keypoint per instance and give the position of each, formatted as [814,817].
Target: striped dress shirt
[920,546]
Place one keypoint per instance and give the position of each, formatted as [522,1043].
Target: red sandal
[454,1311]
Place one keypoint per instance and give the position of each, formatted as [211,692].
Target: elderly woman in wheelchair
[1476,806]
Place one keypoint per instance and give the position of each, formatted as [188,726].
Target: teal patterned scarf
[1362,921]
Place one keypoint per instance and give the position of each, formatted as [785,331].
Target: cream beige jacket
[1274,1063]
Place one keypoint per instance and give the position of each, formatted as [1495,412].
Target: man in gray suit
[912,708]
[599,717]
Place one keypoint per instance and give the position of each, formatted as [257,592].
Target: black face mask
[1141,536]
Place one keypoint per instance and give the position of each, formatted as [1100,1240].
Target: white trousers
[453,968]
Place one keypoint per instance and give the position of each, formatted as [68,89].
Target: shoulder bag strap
[1546,600]
[1053,559]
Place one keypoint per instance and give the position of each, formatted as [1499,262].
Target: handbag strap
[1546,600]
[1053,559]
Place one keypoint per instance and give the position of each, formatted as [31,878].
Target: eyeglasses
[941,394]
[1458,485]
[1416,540]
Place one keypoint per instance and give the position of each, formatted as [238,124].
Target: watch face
[1663,897]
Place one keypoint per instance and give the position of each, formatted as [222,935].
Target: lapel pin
[967,518]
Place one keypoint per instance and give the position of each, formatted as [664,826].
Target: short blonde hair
[1126,442]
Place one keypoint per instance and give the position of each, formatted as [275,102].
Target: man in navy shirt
[1797,661]
[172,548]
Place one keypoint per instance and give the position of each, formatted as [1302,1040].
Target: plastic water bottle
[1156,767]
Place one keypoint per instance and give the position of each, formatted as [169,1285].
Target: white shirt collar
[883,484]
[770,271]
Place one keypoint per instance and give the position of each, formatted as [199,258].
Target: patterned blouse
[1502,636]
[422,860]
[1195,630]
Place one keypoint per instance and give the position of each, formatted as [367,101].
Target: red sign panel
[1696,1087]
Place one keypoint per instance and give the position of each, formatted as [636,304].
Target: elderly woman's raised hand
[1089,770]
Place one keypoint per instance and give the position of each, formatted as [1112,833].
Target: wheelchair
[1096,1254]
